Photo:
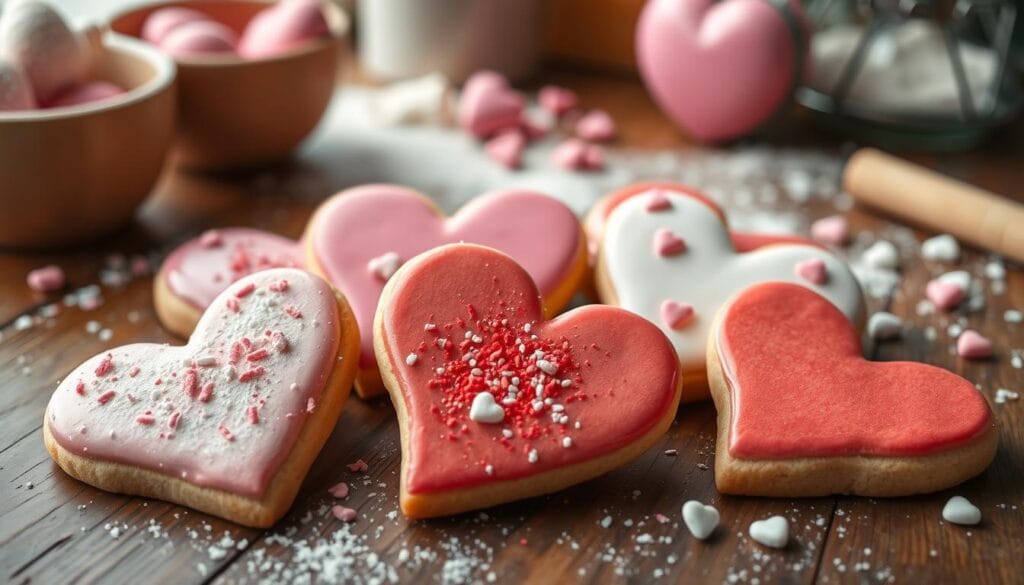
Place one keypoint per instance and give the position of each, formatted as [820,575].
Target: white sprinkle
[441,342]
[1003,395]
[881,254]
[229,372]
[566,442]
[943,248]
[206,361]
[410,360]
[1013,316]
[527,327]
[23,322]
[547,367]
[476,372]
[995,270]
[566,383]
[429,327]
[959,510]
[772,532]
[606,522]
[508,434]
[532,456]
[538,405]
[438,370]
[93,327]
[489,469]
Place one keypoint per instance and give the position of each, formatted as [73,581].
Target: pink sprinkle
[90,303]
[593,158]
[105,366]
[279,286]
[507,148]
[206,392]
[973,346]
[667,243]
[237,351]
[532,130]
[133,372]
[279,341]
[339,490]
[293,311]
[146,419]
[105,397]
[190,382]
[172,423]
[258,355]
[661,518]
[657,201]
[812,270]
[359,465]
[245,290]
[224,432]
[140,266]
[344,514]
[46,279]
[674,314]
[570,155]
[596,126]
[253,415]
[831,230]
[251,374]
[943,294]
[80,388]
[211,239]
[311,405]
[232,305]
[557,100]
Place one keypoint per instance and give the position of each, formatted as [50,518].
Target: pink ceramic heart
[719,69]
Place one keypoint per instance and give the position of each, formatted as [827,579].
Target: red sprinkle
[146,419]
[133,372]
[190,382]
[224,432]
[172,422]
[206,392]
[80,388]
[344,514]
[252,374]
[105,366]
[294,312]
[253,415]
[661,518]
[232,305]
[279,286]
[106,397]
[237,351]
[245,290]
[258,355]
[310,405]
[359,465]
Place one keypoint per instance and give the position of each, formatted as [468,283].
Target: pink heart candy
[657,201]
[163,21]
[285,26]
[812,270]
[675,315]
[667,243]
[831,230]
[596,126]
[507,148]
[200,37]
[973,346]
[943,294]
[557,100]
[488,105]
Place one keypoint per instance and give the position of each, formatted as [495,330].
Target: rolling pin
[919,195]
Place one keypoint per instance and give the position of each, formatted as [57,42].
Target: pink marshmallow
[199,38]
[943,294]
[161,22]
[596,126]
[488,105]
[557,100]
[507,148]
[285,26]
[831,230]
[46,279]
[973,346]
[813,271]
[87,93]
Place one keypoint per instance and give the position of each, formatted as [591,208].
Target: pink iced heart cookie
[227,424]
[494,402]
[285,26]
[488,105]
[197,271]
[802,413]
[360,226]
[678,248]
[719,69]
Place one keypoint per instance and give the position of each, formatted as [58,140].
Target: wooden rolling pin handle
[919,195]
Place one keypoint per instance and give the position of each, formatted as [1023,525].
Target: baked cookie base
[175,313]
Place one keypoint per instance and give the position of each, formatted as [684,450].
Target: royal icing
[707,273]
[583,385]
[223,411]
[800,386]
[361,225]
[201,268]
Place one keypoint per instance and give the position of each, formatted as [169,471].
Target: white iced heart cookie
[704,274]
[701,520]
[773,532]
[959,510]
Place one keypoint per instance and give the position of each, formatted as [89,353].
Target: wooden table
[54,529]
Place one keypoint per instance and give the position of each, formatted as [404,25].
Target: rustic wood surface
[54,529]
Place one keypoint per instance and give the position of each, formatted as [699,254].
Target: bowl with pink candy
[86,121]
[254,77]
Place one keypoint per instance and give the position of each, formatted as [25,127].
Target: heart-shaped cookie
[632,275]
[356,238]
[200,269]
[228,424]
[802,413]
[579,395]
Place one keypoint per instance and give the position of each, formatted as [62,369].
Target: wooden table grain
[623,527]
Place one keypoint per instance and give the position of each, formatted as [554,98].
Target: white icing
[701,520]
[773,532]
[707,274]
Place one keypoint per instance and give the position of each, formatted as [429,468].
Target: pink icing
[362,224]
[621,372]
[223,411]
[201,268]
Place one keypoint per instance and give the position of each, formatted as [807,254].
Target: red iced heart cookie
[201,268]
[494,403]
[802,413]
[360,231]
[227,424]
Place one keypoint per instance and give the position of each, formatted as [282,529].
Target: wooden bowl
[236,113]
[68,175]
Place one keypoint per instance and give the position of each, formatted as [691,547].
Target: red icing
[621,371]
[801,387]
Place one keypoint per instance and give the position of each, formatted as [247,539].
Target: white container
[407,38]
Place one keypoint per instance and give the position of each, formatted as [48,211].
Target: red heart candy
[793,390]
[461,320]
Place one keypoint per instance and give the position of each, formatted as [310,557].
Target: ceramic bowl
[237,113]
[71,174]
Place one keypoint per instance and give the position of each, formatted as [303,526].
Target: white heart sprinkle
[959,510]
[701,520]
[881,254]
[485,409]
[883,325]
[773,532]
[385,265]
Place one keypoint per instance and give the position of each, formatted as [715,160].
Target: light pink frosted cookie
[227,424]
[201,268]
